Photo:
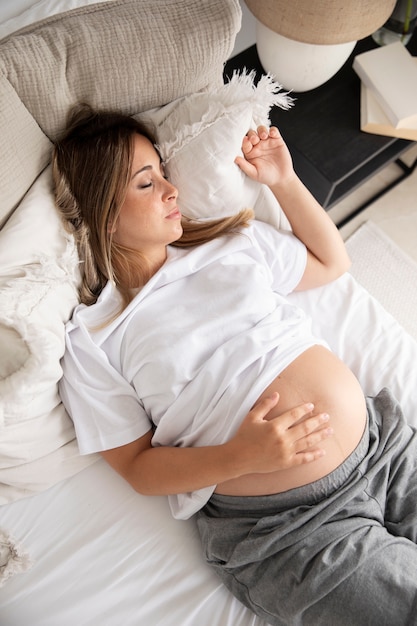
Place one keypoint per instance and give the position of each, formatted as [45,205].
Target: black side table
[331,154]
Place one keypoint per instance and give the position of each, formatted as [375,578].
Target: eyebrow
[142,169]
[146,168]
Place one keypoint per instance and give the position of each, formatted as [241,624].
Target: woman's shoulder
[266,234]
[93,316]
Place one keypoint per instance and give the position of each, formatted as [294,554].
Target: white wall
[247,35]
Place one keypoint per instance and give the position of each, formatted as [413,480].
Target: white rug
[387,272]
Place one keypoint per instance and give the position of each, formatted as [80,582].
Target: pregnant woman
[189,371]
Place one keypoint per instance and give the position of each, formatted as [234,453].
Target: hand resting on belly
[319,377]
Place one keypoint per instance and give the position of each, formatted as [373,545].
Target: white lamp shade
[299,66]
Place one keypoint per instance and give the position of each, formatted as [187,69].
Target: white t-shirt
[192,352]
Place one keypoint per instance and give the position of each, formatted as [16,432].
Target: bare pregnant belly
[316,376]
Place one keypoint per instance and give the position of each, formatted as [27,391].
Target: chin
[177,235]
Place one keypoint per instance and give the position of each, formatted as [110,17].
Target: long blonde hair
[91,169]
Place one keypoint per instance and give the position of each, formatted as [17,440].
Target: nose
[170,191]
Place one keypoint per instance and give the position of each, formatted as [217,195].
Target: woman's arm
[259,446]
[267,160]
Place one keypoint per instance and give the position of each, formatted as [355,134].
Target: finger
[252,137]
[309,456]
[246,167]
[264,406]
[290,418]
[247,145]
[312,440]
[309,425]
[263,132]
[310,431]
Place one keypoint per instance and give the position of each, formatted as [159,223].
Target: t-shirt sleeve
[284,255]
[104,407]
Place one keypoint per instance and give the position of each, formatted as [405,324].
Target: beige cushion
[25,149]
[130,55]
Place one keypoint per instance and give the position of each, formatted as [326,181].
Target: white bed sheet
[103,554]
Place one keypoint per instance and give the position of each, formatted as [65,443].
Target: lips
[174,214]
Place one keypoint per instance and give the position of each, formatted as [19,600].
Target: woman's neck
[146,268]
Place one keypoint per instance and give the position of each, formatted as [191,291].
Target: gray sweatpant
[338,552]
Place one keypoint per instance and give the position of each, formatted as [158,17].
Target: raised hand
[266,157]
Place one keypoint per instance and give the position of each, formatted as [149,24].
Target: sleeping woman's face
[149,219]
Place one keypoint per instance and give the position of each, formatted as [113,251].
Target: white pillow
[38,289]
[199,137]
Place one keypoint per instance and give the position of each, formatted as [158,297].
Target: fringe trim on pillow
[267,92]
[13,558]
[240,93]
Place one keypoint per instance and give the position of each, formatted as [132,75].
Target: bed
[77,544]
